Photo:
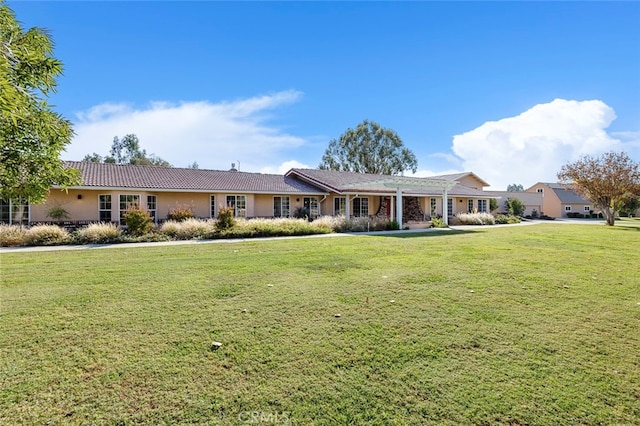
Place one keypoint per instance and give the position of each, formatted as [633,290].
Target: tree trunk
[609,215]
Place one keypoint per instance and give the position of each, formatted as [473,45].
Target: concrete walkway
[333,235]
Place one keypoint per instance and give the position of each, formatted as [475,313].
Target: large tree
[607,181]
[127,151]
[32,135]
[369,148]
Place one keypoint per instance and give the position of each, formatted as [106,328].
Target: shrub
[502,219]
[392,225]
[188,229]
[475,219]
[301,213]
[336,223]
[98,233]
[515,206]
[12,235]
[42,235]
[180,213]
[138,221]
[437,222]
[226,220]
[57,213]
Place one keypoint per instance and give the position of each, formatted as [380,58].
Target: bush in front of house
[188,229]
[12,235]
[279,227]
[475,219]
[226,220]
[98,233]
[503,219]
[437,222]
[47,235]
[180,213]
[138,221]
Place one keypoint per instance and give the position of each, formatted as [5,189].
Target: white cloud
[534,145]
[212,134]
[285,167]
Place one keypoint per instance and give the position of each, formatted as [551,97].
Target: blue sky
[508,90]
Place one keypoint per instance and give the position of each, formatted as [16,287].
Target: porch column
[399,206]
[347,206]
[445,209]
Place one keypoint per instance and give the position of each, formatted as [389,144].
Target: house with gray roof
[560,201]
[108,190]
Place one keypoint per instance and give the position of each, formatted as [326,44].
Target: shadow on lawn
[424,234]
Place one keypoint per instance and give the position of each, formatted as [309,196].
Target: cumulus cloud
[285,167]
[212,134]
[534,145]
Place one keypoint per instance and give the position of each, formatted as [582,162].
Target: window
[128,201]
[482,206]
[361,207]
[567,208]
[449,207]
[15,211]
[311,206]
[239,205]
[104,208]
[433,202]
[470,206]
[340,206]
[152,205]
[281,206]
[587,208]
[540,190]
[212,206]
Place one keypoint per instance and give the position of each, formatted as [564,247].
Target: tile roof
[565,194]
[351,182]
[100,175]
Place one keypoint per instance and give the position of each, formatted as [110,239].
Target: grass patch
[523,325]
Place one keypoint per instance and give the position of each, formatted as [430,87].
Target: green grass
[520,325]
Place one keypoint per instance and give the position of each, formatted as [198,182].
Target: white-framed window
[281,207]
[128,201]
[587,208]
[449,207]
[104,207]
[340,206]
[540,190]
[310,204]
[212,206]
[567,208]
[482,206]
[470,206]
[361,207]
[14,211]
[239,205]
[433,204]
[152,207]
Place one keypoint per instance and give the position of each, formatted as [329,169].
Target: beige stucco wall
[550,202]
[85,208]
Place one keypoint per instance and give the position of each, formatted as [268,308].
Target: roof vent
[233,168]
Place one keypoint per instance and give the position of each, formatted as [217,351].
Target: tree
[514,206]
[193,165]
[369,148]
[515,188]
[607,181]
[630,205]
[127,151]
[32,135]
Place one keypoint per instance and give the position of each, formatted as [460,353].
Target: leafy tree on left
[32,135]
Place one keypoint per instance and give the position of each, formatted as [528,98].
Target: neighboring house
[532,201]
[558,201]
[108,190]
